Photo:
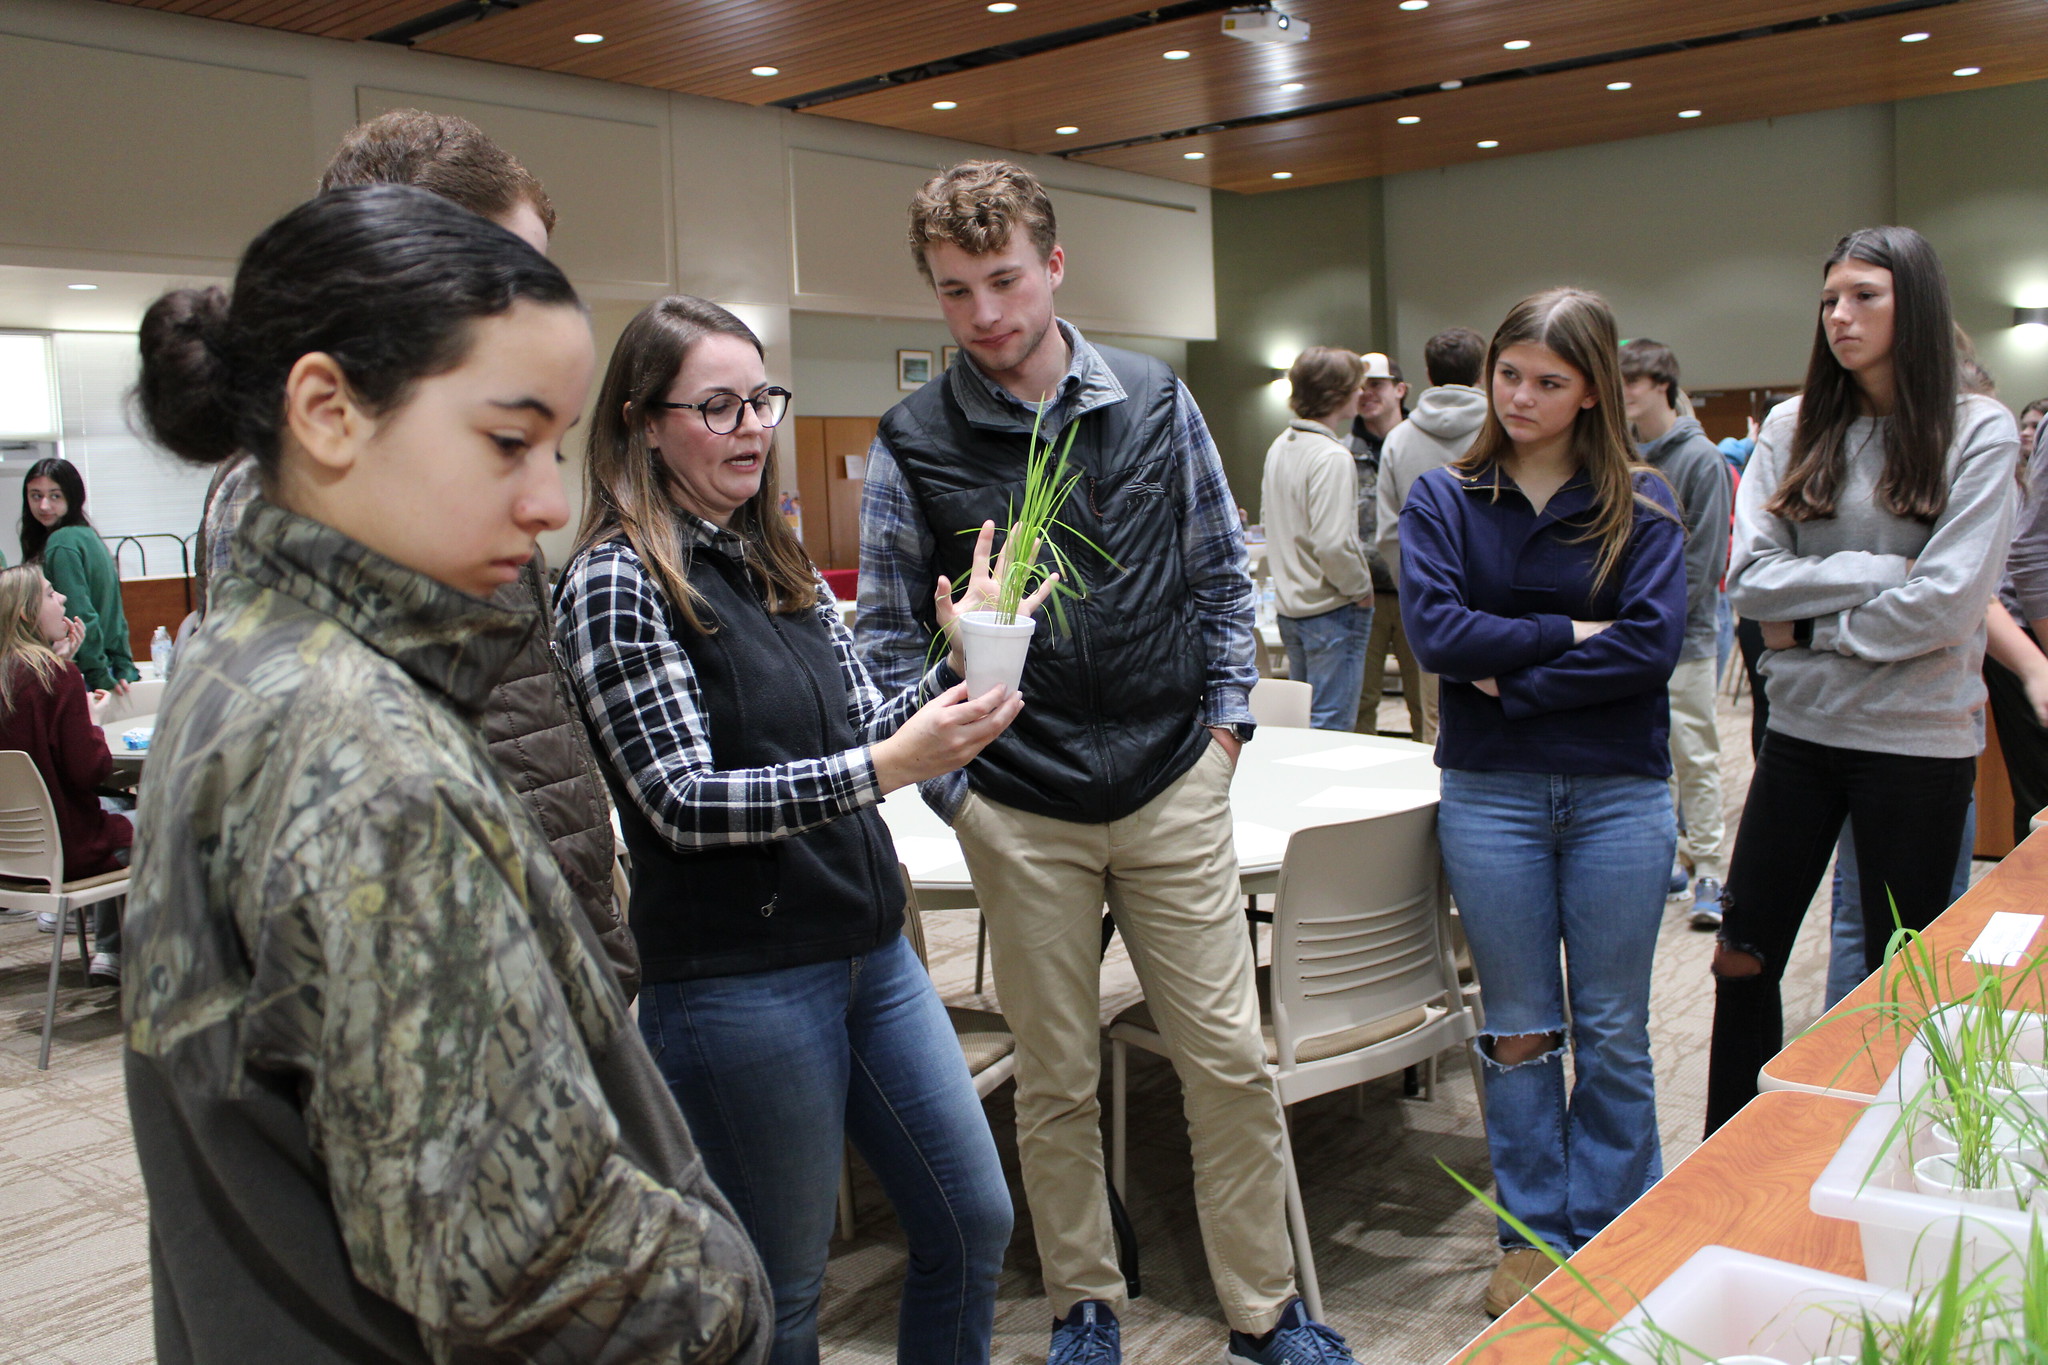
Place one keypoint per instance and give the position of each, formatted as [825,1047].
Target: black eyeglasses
[721,411]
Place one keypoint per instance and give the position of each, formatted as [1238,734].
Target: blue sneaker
[1680,881]
[1706,905]
[1296,1341]
[1087,1335]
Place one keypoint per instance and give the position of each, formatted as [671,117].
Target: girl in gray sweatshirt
[1870,533]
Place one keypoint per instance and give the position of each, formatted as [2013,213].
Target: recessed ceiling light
[1002,7]
[1283,175]
[1192,156]
[1968,70]
[945,104]
[1414,4]
[81,286]
[1068,131]
[1620,85]
[767,71]
[1450,85]
[1688,113]
[1490,142]
[1179,54]
[1915,37]
[1409,118]
[1515,44]
[1292,86]
[590,37]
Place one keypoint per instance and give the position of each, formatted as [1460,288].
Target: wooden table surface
[1746,1188]
[1850,1051]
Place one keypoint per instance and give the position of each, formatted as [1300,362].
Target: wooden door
[830,455]
[1726,412]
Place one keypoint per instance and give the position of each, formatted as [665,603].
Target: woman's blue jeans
[775,1070]
[1328,653]
[1543,862]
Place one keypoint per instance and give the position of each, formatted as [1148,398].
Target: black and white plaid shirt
[641,697]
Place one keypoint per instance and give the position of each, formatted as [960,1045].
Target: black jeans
[2022,740]
[1749,637]
[1908,816]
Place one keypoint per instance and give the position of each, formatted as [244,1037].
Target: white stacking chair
[32,870]
[143,698]
[1276,701]
[1362,985]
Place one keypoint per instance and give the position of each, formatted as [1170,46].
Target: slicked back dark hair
[1924,380]
[387,279]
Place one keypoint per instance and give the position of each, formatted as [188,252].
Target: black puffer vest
[772,694]
[1113,713]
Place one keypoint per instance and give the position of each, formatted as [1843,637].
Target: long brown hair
[628,490]
[21,642]
[1924,364]
[1579,326]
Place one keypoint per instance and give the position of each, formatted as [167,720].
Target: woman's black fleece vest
[1112,713]
[772,693]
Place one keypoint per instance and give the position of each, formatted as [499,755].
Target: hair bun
[183,393]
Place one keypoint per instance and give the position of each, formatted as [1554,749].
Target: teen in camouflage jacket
[388,1100]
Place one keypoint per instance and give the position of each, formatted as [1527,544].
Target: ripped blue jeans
[1543,862]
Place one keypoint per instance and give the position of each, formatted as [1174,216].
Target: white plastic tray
[1730,1303]
[1907,1235]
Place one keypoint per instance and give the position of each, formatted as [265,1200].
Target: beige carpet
[1403,1254]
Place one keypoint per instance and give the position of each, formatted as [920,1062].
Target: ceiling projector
[1264,24]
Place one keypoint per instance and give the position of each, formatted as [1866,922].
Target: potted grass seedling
[1971,1127]
[1980,1318]
[994,643]
[1955,1320]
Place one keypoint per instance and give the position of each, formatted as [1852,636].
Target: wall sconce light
[2030,317]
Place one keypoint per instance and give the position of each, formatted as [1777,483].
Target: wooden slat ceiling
[1130,106]
[709,47]
[1825,68]
[325,18]
[1354,49]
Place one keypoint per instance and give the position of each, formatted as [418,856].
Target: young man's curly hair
[977,206]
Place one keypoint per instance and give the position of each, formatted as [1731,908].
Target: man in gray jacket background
[1442,428]
[1679,448]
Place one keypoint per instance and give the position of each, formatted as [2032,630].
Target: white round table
[1287,780]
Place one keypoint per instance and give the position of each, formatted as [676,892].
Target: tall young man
[530,725]
[1443,426]
[1677,446]
[1114,784]
[1381,400]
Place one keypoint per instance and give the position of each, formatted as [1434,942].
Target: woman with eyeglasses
[749,752]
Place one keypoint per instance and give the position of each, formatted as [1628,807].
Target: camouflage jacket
[388,1100]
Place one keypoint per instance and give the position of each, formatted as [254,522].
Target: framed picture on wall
[913,369]
[947,355]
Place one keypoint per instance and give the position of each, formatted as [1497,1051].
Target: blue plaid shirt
[896,546]
[640,694]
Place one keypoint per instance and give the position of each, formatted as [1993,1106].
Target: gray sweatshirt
[1897,607]
[2025,590]
[1443,426]
[1694,466]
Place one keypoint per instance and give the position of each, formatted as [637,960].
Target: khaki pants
[1389,636]
[1696,768]
[1169,874]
